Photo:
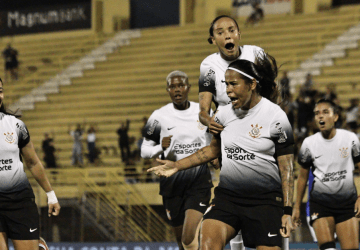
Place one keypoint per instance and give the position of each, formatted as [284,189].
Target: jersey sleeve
[304,156]
[23,133]
[152,128]
[355,150]
[282,135]
[207,79]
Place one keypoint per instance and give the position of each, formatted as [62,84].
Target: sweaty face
[227,38]
[178,90]
[324,117]
[238,90]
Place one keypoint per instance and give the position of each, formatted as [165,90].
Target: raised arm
[287,182]
[202,156]
[37,170]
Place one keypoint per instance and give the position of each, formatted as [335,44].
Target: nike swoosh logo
[171,128]
[202,204]
[271,235]
[33,230]
[318,156]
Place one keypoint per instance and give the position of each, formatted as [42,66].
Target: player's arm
[202,156]
[205,99]
[300,192]
[36,168]
[286,168]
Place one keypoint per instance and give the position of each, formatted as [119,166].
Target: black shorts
[176,206]
[340,215]
[21,223]
[260,224]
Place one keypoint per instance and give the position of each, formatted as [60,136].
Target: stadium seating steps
[131,83]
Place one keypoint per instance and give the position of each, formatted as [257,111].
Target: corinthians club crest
[344,152]
[255,131]
[9,137]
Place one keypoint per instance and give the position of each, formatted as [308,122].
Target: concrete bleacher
[131,83]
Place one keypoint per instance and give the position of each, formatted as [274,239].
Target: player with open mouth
[331,155]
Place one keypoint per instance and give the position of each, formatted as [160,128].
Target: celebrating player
[19,218]
[255,191]
[174,131]
[224,32]
[331,155]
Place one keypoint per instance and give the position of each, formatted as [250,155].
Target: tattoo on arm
[287,177]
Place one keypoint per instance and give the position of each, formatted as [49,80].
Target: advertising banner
[45,19]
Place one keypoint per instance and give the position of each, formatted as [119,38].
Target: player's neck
[328,134]
[182,106]
[227,58]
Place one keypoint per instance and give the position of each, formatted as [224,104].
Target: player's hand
[286,226]
[296,217]
[215,128]
[166,141]
[215,163]
[167,169]
[357,208]
[54,209]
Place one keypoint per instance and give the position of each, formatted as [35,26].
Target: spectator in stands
[124,140]
[304,115]
[352,115]
[285,86]
[76,134]
[91,138]
[330,93]
[340,121]
[49,151]
[308,89]
[11,62]
[256,15]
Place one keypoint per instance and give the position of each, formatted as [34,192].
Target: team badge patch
[209,77]
[201,126]
[9,137]
[168,214]
[344,152]
[255,131]
[305,155]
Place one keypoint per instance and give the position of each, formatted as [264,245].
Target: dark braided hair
[264,70]
[211,29]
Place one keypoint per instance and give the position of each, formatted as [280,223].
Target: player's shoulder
[270,108]
[311,139]
[252,48]
[210,60]
[343,133]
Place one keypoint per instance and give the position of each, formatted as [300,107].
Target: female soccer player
[174,131]
[331,155]
[256,178]
[224,32]
[19,218]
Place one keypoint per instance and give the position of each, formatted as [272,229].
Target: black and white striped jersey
[188,136]
[332,163]
[212,73]
[14,184]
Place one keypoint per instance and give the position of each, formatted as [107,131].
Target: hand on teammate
[357,208]
[215,128]
[167,169]
[215,163]
[296,217]
[54,209]
[286,226]
[166,141]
